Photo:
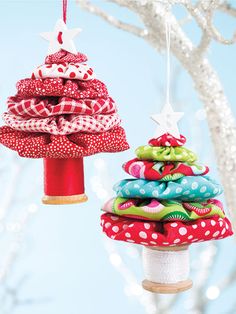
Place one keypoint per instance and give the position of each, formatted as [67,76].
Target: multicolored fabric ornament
[185,199]
[168,206]
[62,114]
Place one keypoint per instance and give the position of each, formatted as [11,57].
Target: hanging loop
[64,10]
[167,32]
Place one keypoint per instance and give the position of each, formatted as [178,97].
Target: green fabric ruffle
[160,153]
[162,210]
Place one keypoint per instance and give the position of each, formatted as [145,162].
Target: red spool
[63,181]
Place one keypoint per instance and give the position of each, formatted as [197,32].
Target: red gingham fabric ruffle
[63,124]
[165,234]
[64,56]
[167,140]
[38,145]
[46,107]
[61,87]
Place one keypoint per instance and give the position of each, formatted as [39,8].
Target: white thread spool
[166,269]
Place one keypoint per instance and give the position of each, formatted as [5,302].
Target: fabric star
[167,121]
[61,38]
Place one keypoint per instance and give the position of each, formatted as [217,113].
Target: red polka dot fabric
[62,112]
[39,145]
[79,71]
[167,140]
[165,234]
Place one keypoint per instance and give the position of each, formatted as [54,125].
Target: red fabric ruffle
[48,106]
[165,234]
[61,87]
[63,56]
[40,145]
[167,140]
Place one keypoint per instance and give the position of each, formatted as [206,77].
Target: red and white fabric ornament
[62,114]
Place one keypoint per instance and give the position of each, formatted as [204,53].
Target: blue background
[66,262]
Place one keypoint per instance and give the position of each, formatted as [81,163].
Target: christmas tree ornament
[172,206]
[62,114]
[169,205]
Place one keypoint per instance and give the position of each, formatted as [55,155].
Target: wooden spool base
[167,288]
[163,288]
[64,200]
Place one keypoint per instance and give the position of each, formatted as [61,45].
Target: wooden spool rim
[169,248]
[64,200]
[167,288]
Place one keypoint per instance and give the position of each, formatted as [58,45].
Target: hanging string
[64,10]
[168,62]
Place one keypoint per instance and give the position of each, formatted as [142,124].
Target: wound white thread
[165,267]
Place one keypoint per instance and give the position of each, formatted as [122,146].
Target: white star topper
[167,121]
[61,38]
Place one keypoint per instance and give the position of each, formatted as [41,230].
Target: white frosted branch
[227,8]
[203,14]
[88,6]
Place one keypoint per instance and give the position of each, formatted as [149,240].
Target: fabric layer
[77,71]
[165,234]
[160,153]
[63,56]
[163,171]
[197,188]
[38,145]
[63,124]
[159,210]
[48,106]
[167,140]
[61,87]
